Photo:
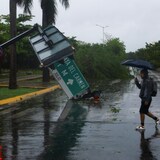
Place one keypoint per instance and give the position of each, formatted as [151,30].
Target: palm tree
[13,60]
[49,13]
[12,76]
[49,10]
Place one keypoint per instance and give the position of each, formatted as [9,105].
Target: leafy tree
[99,61]
[115,46]
[4,28]
[25,55]
[151,52]
[73,42]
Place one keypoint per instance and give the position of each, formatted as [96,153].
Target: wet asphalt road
[51,128]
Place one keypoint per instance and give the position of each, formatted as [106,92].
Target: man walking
[146,98]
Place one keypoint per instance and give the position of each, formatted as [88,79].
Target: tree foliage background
[26,57]
[151,53]
[96,61]
[101,61]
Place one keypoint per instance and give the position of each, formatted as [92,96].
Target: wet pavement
[50,127]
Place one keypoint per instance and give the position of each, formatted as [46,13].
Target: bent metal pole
[18,37]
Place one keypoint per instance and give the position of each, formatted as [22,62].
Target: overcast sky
[134,22]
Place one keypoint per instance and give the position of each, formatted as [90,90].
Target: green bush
[102,61]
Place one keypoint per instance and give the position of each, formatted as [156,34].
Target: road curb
[27,96]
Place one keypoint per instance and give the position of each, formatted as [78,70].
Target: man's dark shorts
[144,108]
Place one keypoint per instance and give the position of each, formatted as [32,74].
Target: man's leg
[142,118]
[152,116]
[149,114]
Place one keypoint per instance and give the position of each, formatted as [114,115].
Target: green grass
[5,73]
[8,93]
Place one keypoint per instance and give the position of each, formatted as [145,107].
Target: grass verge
[8,93]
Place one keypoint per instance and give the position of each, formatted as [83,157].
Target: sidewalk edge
[27,96]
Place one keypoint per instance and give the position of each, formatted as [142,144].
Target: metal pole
[103,33]
[13,40]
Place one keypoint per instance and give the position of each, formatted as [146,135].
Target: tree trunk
[46,75]
[13,56]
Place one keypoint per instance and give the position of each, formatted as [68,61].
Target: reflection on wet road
[51,128]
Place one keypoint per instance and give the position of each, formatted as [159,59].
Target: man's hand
[136,80]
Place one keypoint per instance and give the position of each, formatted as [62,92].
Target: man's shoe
[140,128]
[157,122]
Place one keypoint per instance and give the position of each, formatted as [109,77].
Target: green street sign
[53,49]
[70,78]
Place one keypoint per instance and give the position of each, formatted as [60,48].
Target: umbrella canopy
[138,63]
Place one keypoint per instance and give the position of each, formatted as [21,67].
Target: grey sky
[135,22]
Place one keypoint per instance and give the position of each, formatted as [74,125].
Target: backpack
[154,87]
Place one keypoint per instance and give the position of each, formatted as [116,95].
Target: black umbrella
[138,63]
